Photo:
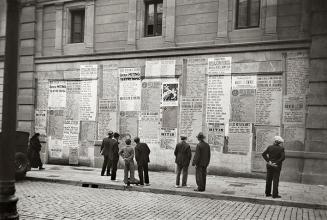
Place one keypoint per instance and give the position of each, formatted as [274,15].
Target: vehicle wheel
[21,164]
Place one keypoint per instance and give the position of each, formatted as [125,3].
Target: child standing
[127,153]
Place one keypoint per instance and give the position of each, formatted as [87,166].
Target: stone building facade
[241,71]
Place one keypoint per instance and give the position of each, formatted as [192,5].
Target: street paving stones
[44,200]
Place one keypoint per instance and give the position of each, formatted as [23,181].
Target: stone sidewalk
[218,187]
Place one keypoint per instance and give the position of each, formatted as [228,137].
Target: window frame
[155,24]
[71,30]
[248,15]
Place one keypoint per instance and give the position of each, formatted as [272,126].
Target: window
[247,14]
[153,18]
[77,25]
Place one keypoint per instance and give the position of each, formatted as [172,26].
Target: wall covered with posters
[240,101]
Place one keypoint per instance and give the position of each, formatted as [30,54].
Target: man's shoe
[187,186]
[277,197]
[147,184]
[108,174]
[41,168]
[177,186]
[268,195]
[198,190]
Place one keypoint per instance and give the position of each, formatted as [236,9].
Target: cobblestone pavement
[41,200]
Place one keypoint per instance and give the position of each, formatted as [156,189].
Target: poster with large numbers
[88,100]
[57,94]
[191,117]
[130,89]
[218,99]
[269,100]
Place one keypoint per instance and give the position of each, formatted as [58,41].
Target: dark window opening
[77,26]
[153,18]
[247,14]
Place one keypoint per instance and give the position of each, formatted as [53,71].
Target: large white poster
[73,99]
[40,121]
[294,109]
[130,89]
[149,127]
[220,66]
[71,134]
[88,100]
[239,137]
[57,94]
[89,71]
[55,148]
[168,138]
[218,99]
[110,81]
[158,68]
[107,119]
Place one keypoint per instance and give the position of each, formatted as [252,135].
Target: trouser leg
[104,165]
[126,169]
[114,169]
[199,177]
[140,171]
[276,175]
[269,179]
[204,178]
[132,171]
[146,173]
[38,160]
[109,166]
[184,178]
[178,174]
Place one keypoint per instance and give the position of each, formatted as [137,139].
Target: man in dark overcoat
[142,153]
[183,156]
[115,158]
[274,155]
[201,161]
[107,152]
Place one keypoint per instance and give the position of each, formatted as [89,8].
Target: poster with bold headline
[219,66]
[130,89]
[57,94]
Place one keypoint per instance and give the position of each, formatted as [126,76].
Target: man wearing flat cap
[107,152]
[274,155]
[183,156]
[201,161]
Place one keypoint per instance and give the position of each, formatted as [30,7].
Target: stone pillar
[8,200]
[170,22]
[59,28]
[131,36]
[222,29]
[89,26]
[270,32]
[315,166]
[39,31]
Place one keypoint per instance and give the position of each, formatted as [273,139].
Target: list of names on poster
[88,71]
[88,100]
[73,99]
[239,137]
[149,125]
[195,77]
[269,100]
[265,136]
[151,95]
[294,110]
[110,81]
[71,134]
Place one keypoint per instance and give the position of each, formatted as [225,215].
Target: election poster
[243,105]
[128,124]
[191,117]
[40,121]
[88,100]
[57,95]
[219,66]
[239,138]
[151,95]
[169,93]
[73,99]
[194,79]
[297,73]
[159,68]
[55,147]
[216,136]
[265,136]
[71,134]
[130,89]
[294,109]
[168,117]
[244,82]
[56,123]
[269,100]
[168,138]
[107,118]
[89,71]
[42,94]
[218,99]
[110,81]
[149,127]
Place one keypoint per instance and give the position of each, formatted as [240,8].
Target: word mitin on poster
[216,135]
[168,137]
[130,89]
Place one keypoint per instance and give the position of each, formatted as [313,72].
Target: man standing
[201,161]
[107,152]
[274,155]
[115,156]
[142,153]
[183,156]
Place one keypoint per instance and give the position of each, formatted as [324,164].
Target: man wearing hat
[183,156]
[107,152]
[201,161]
[115,156]
[274,155]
